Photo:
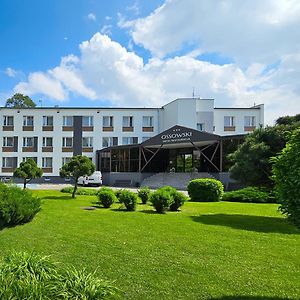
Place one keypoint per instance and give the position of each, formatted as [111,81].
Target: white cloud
[92,17]
[10,72]
[248,31]
[106,70]
[106,29]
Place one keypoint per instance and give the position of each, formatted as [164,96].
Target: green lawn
[207,251]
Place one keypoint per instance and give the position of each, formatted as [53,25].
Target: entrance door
[184,163]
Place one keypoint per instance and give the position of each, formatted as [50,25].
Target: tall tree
[78,166]
[19,101]
[251,163]
[28,170]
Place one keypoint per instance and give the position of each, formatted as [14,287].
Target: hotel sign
[180,135]
[176,136]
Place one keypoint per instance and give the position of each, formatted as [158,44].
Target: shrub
[31,276]
[286,174]
[144,194]
[106,197]
[249,194]
[129,199]
[118,193]
[178,198]
[161,200]
[17,206]
[205,189]
[80,191]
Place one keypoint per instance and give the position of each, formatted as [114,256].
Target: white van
[94,179]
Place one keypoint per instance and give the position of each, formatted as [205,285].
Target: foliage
[289,120]
[17,206]
[28,170]
[31,276]
[129,199]
[286,171]
[205,189]
[78,166]
[161,200]
[178,198]
[248,194]
[106,197]
[19,101]
[251,161]
[144,194]
[80,191]
[118,193]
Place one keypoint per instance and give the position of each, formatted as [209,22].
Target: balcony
[8,128]
[67,149]
[47,170]
[8,149]
[87,128]
[87,149]
[67,128]
[128,129]
[229,128]
[249,128]
[28,128]
[148,129]
[28,149]
[47,149]
[107,128]
[47,128]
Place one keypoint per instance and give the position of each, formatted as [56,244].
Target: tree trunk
[24,185]
[75,188]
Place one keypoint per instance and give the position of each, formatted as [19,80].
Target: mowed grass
[207,251]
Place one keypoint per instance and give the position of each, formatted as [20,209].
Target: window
[66,160]
[8,162]
[87,142]
[28,121]
[108,121]
[147,121]
[129,140]
[228,121]
[28,142]
[47,142]
[8,141]
[8,120]
[68,121]
[88,121]
[67,142]
[200,126]
[109,141]
[249,121]
[47,162]
[47,120]
[127,121]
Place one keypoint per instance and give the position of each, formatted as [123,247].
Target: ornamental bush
[205,189]
[17,206]
[248,194]
[286,174]
[129,199]
[106,197]
[80,191]
[144,194]
[31,276]
[178,198]
[161,200]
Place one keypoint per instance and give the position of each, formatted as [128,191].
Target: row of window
[87,121]
[230,121]
[47,162]
[68,141]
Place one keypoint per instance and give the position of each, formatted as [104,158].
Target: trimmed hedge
[248,194]
[178,198]
[205,189]
[17,206]
[144,194]
[80,191]
[31,276]
[129,199]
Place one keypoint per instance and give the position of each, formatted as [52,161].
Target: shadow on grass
[249,223]
[57,198]
[250,298]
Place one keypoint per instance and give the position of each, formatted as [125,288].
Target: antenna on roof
[41,102]
[193,92]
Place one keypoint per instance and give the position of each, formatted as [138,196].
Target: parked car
[94,179]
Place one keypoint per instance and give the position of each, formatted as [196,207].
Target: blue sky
[146,53]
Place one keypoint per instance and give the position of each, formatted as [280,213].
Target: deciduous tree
[19,101]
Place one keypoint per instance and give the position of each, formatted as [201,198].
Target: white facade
[52,145]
